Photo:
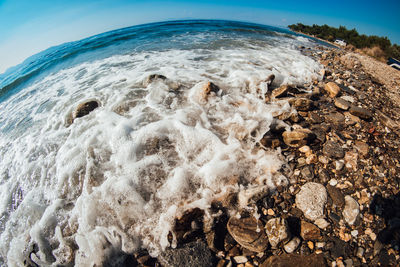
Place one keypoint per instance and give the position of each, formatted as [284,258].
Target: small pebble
[354,233]
[333,182]
[240,259]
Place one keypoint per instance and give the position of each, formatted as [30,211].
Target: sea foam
[115,179]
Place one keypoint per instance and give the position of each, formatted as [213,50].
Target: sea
[74,191]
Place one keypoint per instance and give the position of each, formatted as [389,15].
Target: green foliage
[349,36]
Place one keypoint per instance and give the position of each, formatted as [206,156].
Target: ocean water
[114,180]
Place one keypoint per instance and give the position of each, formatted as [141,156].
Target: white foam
[116,181]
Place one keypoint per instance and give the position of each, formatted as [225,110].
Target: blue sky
[30,26]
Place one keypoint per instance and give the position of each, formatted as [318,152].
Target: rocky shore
[342,207]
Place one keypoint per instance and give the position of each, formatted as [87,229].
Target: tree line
[350,37]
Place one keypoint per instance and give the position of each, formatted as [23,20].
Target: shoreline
[352,160]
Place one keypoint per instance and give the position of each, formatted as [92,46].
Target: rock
[292,245]
[294,260]
[190,254]
[248,233]
[210,87]
[309,231]
[302,104]
[321,223]
[84,109]
[277,231]
[153,77]
[240,259]
[281,91]
[360,112]
[336,195]
[351,210]
[360,252]
[323,176]
[297,138]
[335,118]
[332,149]
[362,148]
[342,104]
[311,200]
[351,160]
[332,88]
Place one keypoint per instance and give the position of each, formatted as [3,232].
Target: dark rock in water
[153,77]
[361,112]
[189,225]
[191,254]
[336,195]
[249,233]
[333,150]
[85,108]
[210,87]
[294,260]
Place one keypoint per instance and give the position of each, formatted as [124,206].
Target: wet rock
[298,137]
[309,231]
[84,109]
[342,104]
[351,210]
[361,112]
[294,260]
[190,254]
[302,104]
[332,149]
[210,87]
[153,77]
[277,231]
[336,195]
[311,200]
[332,88]
[292,245]
[248,233]
[240,259]
[281,91]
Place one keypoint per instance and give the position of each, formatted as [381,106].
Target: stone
[309,231]
[332,149]
[302,104]
[362,148]
[292,245]
[190,254]
[351,160]
[297,138]
[277,230]
[360,252]
[248,233]
[84,109]
[351,210]
[336,118]
[336,195]
[323,176]
[153,77]
[311,200]
[332,88]
[360,112]
[342,104]
[321,223]
[281,91]
[294,260]
[240,259]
